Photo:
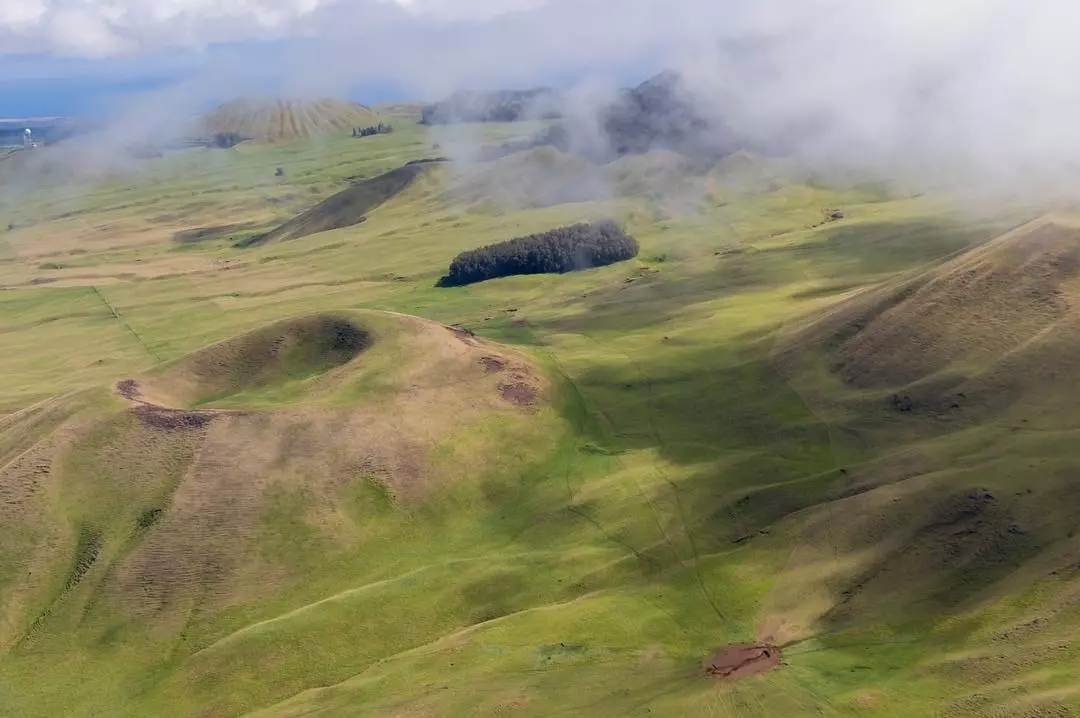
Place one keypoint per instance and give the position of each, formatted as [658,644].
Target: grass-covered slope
[987,328]
[280,120]
[144,525]
[346,208]
[291,350]
[726,440]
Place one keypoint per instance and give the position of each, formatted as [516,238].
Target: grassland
[281,120]
[695,472]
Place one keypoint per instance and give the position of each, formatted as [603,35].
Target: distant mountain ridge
[494,106]
[663,113]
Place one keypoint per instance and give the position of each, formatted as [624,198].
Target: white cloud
[96,28]
[21,14]
[984,81]
[467,9]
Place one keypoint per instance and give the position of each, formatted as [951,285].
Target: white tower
[28,138]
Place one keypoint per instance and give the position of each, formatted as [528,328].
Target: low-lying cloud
[921,85]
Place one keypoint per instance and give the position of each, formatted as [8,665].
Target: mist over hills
[665,112]
[494,106]
[779,445]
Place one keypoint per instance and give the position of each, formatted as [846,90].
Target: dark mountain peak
[493,106]
[664,112]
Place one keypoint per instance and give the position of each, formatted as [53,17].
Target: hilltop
[284,119]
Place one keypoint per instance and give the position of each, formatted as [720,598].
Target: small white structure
[28,139]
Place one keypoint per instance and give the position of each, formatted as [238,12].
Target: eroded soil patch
[519,393]
[155,416]
[493,364]
[158,417]
[742,661]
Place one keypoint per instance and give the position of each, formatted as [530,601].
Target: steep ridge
[346,208]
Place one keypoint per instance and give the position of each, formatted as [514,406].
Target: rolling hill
[285,120]
[348,207]
[987,328]
[772,465]
[325,421]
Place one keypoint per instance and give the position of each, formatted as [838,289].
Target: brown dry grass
[992,328]
[282,120]
[210,477]
[35,445]
[969,310]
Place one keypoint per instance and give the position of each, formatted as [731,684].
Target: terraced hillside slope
[278,120]
[810,452]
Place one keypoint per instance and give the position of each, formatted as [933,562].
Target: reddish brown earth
[158,417]
[155,416]
[493,364]
[519,393]
[129,389]
[742,661]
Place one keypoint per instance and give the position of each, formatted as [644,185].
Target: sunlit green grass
[656,514]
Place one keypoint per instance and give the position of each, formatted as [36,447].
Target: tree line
[225,140]
[566,249]
[379,129]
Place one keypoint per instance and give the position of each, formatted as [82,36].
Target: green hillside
[298,478]
[282,120]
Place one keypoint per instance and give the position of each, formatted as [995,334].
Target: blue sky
[82,56]
[43,85]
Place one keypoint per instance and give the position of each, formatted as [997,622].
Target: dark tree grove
[566,249]
[225,140]
[379,129]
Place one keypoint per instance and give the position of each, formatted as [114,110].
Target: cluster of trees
[566,249]
[225,140]
[379,129]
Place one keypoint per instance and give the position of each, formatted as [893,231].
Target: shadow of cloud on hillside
[692,416]
[853,255]
[945,547]
[876,248]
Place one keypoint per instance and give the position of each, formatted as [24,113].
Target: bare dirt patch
[158,417]
[742,661]
[519,393]
[129,389]
[165,418]
[493,364]
[467,336]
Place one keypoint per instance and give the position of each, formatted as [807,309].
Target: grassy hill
[286,120]
[348,207]
[272,481]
